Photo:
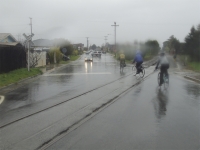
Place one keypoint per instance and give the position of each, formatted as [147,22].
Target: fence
[11,58]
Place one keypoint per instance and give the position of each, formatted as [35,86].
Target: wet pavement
[80,88]
[146,117]
[76,91]
[75,78]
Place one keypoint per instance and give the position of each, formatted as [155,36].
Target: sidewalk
[183,71]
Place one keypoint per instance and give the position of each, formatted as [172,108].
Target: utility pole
[31,26]
[29,42]
[115,36]
[105,40]
[87,43]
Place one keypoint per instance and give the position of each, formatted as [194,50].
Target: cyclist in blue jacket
[138,60]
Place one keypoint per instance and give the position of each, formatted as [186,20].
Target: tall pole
[31,26]
[29,46]
[87,43]
[28,55]
[105,40]
[115,36]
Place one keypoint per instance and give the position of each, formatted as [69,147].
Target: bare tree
[35,56]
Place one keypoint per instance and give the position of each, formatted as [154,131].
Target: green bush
[75,52]
[56,51]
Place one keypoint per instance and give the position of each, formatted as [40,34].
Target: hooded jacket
[138,58]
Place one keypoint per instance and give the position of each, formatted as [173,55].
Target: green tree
[94,46]
[192,44]
[151,47]
[173,44]
[63,43]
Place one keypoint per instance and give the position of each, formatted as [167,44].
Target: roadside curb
[188,77]
[191,78]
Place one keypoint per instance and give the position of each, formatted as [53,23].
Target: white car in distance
[88,58]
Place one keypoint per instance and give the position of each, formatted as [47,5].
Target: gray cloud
[76,19]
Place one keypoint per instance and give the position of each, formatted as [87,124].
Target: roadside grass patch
[64,62]
[74,57]
[191,65]
[194,66]
[17,75]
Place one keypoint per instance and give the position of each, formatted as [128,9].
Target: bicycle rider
[122,58]
[138,60]
[164,65]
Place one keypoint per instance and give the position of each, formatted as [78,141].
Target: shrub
[58,54]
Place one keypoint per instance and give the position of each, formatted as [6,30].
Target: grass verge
[74,57]
[17,75]
[191,65]
[194,66]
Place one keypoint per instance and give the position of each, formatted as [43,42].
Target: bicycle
[165,80]
[141,71]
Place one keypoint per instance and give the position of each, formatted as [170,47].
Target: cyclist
[138,60]
[122,58]
[164,65]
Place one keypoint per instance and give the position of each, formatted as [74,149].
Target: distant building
[40,48]
[6,39]
[12,53]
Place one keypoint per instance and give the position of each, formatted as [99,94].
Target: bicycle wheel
[158,78]
[121,67]
[166,81]
[142,72]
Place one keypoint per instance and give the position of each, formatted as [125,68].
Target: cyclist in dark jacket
[164,65]
[138,60]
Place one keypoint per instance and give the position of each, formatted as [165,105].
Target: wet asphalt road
[145,117]
[72,80]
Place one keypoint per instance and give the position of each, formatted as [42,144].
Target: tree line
[148,49]
[57,50]
[190,47]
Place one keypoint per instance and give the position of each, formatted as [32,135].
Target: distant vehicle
[96,53]
[88,58]
[88,52]
[65,58]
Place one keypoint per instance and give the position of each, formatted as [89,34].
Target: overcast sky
[77,19]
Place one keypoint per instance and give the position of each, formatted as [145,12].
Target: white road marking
[69,74]
[1,99]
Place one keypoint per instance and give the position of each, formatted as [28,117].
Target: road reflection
[88,65]
[160,102]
